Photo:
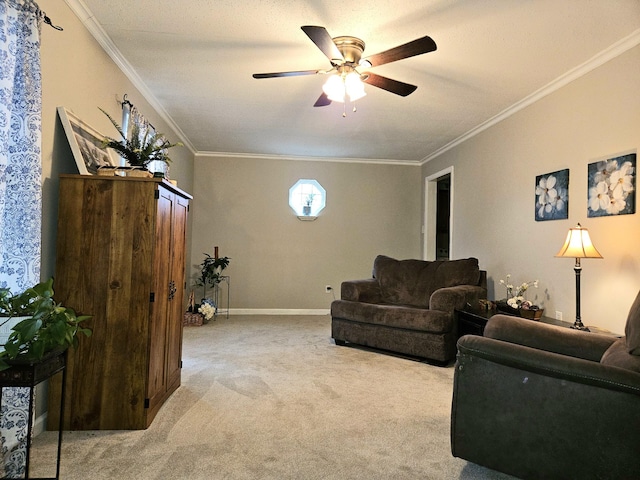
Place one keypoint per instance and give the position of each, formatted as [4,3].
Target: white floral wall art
[552,196]
[612,186]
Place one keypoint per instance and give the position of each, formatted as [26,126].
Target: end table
[472,322]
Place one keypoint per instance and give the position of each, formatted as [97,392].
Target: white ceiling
[194,59]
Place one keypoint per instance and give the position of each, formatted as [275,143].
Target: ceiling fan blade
[393,86]
[285,74]
[411,49]
[323,41]
[322,101]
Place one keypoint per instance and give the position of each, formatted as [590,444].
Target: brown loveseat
[408,306]
[546,402]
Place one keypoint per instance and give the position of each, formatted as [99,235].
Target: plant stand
[29,375]
[216,294]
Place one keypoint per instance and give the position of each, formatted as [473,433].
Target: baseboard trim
[278,311]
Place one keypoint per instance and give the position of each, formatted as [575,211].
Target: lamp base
[578,325]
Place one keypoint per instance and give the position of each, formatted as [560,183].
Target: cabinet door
[157,384]
[176,301]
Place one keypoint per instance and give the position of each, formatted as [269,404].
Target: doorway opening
[438,222]
[443,217]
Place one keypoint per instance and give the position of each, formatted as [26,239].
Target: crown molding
[88,19]
[615,50]
[259,156]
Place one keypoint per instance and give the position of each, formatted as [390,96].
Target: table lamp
[578,245]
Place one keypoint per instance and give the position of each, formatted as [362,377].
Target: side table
[29,375]
[472,322]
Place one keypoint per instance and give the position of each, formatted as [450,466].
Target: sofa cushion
[451,273]
[632,329]
[411,282]
[618,356]
[395,316]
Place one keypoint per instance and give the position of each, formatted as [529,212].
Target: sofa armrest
[552,338]
[547,363]
[367,291]
[447,299]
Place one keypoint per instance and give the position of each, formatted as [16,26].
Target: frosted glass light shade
[338,86]
[334,87]
[354,86]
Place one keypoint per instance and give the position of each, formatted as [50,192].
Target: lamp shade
[337,86]
[334,88]
[354,86]
[578,245]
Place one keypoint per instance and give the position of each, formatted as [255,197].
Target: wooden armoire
[121,258]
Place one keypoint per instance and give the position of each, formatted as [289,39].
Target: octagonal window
[307,198]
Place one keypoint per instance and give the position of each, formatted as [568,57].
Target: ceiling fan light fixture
[338,86]
[354,86]
[335,89]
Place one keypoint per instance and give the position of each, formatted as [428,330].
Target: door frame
[430,214]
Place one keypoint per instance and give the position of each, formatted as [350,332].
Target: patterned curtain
[20,139]
[20,190]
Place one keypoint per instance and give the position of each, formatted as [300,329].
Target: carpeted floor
[272,397]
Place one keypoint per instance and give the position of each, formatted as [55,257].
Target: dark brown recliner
[408,306]
[545,402]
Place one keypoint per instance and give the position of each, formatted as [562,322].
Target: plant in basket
[143,146]
[515,303]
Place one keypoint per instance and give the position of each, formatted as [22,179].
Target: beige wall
[280,262]
[594,117]
[79,75]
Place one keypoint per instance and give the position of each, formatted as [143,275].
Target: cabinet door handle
[172,289]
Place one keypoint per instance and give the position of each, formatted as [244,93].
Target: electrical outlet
[558,315]
[328,289]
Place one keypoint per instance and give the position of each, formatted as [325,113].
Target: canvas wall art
[612,186]
[86,144]
[552,196]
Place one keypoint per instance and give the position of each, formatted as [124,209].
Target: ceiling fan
[345,55]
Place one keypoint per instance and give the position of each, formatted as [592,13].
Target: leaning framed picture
[612,186]
[552,196]
[86,144]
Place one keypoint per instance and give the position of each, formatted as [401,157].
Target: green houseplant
[211,271]
[210,275]
[47,326]
[144,146]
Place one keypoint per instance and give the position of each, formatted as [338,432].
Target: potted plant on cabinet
[144,146]
[44,326]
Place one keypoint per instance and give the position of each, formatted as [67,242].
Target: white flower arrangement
[207,310]
[515,295]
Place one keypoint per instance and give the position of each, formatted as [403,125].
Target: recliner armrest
[547,363]
[367,291]
[447,299]
[552,338]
